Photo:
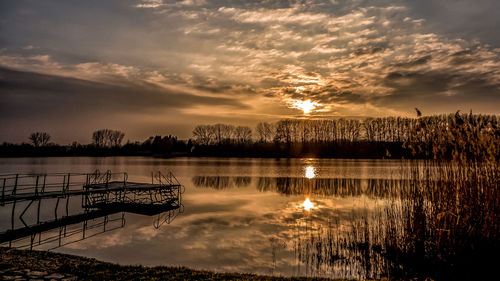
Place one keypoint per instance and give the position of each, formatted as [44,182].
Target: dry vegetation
[445,224]
[448,222]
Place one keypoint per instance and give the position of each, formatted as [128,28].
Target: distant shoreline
[335,150]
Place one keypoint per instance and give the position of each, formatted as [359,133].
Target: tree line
[222,134]
[394,137]
[387,129]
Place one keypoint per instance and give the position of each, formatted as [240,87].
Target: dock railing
[101,194]
[98,179]
[14,185]
[164,179]
[32,186]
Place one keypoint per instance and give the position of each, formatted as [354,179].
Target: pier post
[12,216]
[67,206]
[38,211]
[64,184]
[43,186]
[3,191]
[36,185]
[67,184]
[14,191]
[57,207]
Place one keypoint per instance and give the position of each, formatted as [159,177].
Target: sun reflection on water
[310,172]
[308,205]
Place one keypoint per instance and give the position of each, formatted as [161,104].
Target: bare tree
[107,138]
[39,139]
[265,131]
[116,138]
[243,134]
[203,134]
[98,138]
[223,133]
[283,131]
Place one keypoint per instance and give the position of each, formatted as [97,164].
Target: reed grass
[447,225]
[443,225]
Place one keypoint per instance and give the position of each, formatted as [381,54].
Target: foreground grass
[92,269]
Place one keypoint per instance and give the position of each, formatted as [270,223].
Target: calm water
[244,215]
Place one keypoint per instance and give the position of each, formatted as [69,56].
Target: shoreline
[69,267]
[208,156]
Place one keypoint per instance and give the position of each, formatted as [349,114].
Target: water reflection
[245,215]
[214,182]
[307,204]
[338,248]
[59,232]
[330,235]
[343,187]
[310,172]
[73,206]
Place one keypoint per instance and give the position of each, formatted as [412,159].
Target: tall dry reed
[447,225]
[445,222]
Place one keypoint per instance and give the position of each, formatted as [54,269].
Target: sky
[159,67]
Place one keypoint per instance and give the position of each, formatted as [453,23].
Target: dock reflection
[94,207]
[57,232]
[100,199]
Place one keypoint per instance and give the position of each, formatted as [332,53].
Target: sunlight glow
[310,172]
[308,205]
[307,106]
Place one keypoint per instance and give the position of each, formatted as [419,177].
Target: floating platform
[22,187]
[101,195]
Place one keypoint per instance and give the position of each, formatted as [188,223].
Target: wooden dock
[101,194]
[28,187]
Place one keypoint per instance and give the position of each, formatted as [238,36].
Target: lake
[265,216]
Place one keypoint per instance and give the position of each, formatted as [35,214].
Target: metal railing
[97,178]
[164,179]
[34,186]
[39,184]
[164,194]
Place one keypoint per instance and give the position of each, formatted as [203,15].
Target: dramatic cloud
[173,64]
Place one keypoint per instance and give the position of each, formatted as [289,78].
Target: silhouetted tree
[283,131]
[116,138]
[39,139]
[107,138]
[203,134]
[265,132]
[243,134]
[223,133]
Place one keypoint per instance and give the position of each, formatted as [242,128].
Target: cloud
[356,58]
[35,100]
[166,3]
[67,94]
[349,55]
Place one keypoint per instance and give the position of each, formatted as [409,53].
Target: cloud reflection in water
[245,215]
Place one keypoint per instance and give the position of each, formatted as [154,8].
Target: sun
[307,106]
